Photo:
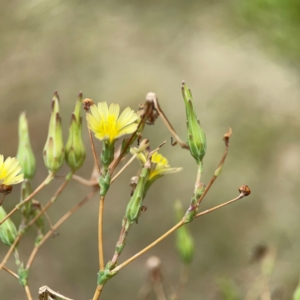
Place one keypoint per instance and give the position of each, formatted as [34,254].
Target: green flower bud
[184,240]
[196,137]
[8,231]
[135,203]
[75,150]
[54,147]
[25,154]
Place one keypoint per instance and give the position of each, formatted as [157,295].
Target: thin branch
[134,257]
[220,206]
[86,106]
[218,170]
[28,294]
[100,233]
[52,200]
[98,291]
[57,224]
[152,97]
[41,186]
[244,191]
[10,272]
[10,251]
[125,166]
[94,151]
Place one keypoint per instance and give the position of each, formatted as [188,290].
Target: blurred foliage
[277,24]
[228,290]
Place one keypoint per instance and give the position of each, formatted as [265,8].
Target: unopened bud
[196,137]
[25,154]
[75,150]
[135,203]
[184,240]
[54,147]
[8,231]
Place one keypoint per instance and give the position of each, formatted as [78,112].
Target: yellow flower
[159,164]
[107,124]
[9,170]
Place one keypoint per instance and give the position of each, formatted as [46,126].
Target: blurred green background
[241,60]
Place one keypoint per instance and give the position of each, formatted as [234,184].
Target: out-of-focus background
[241,60]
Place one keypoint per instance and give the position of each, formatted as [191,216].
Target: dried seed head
[5,189]
[148,110]
[87,103]
[244,189]
[227,136]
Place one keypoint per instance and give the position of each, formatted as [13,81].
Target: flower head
[159,164]
[107,124]
[9,171]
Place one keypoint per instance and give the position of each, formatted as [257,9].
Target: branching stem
[40,187]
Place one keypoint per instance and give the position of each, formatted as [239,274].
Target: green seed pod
[8,231]
[25,154]
[196,137]
[184,240]
[75,150]
[135,203]
[54,147]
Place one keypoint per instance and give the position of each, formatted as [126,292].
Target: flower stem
[10,272]
[221,163]
[100,233]
[134,257]
[121,242]
[98,291]
[28,294]
[179,224]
